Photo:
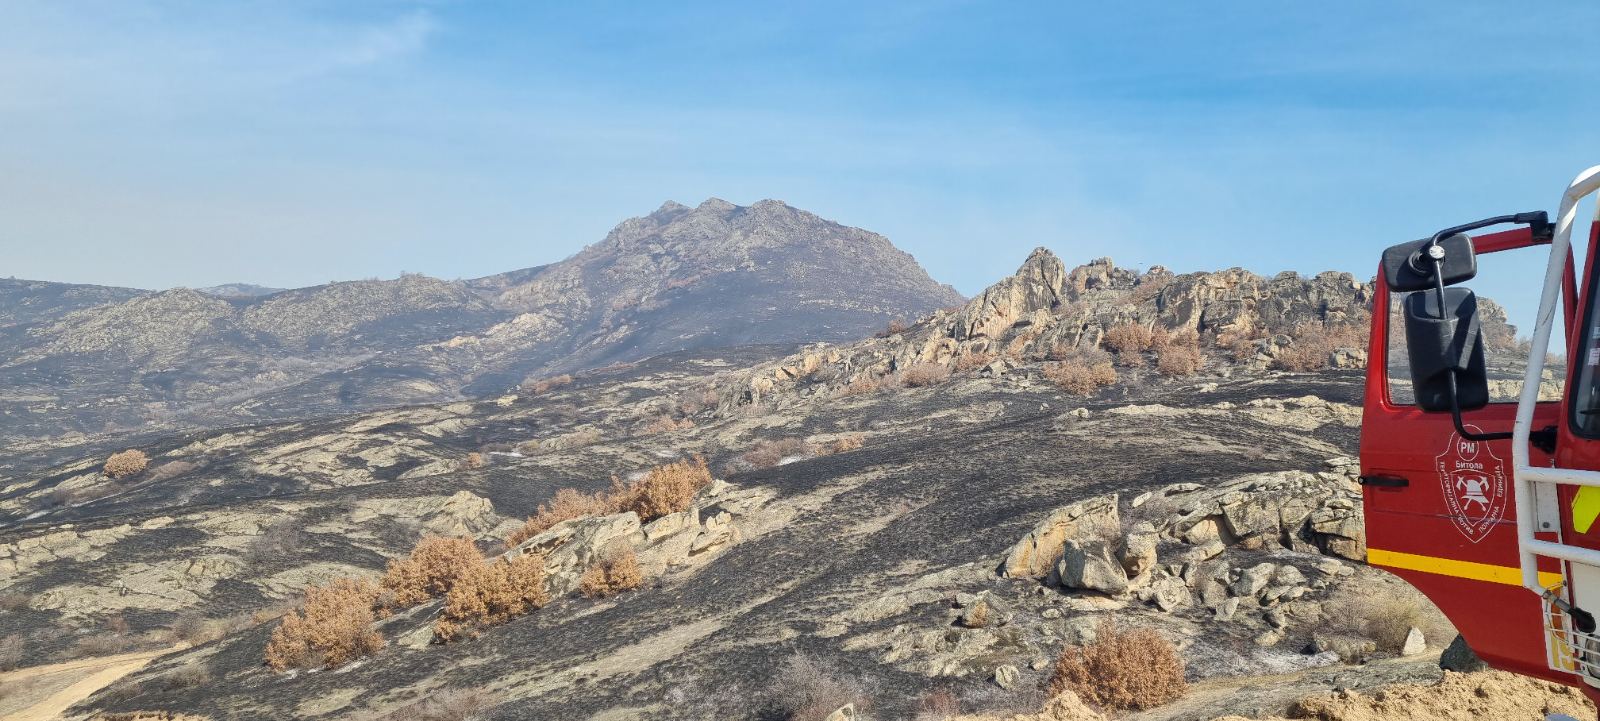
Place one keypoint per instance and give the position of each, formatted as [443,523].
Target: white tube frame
[1524,474]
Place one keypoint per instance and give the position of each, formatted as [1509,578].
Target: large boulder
[1088,564]
[1138,550]
[1037,552]
[1460,657]
[1252,580]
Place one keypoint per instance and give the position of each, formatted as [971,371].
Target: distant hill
[80,359]
[239,290]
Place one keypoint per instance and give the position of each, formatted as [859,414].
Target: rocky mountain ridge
[79,361]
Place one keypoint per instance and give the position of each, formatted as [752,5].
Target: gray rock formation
[677,279]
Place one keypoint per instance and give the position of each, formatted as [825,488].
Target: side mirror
[1406,267]
[1442,346]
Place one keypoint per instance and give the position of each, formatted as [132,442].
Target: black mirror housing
[1406,267]
[1439,346]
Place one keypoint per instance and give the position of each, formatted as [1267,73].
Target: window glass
[1586,401]
[1506,331]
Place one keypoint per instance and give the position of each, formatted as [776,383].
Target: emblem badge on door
[1473,479]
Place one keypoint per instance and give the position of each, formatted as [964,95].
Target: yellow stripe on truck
[1486,572]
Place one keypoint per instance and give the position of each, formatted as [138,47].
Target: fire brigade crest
[1473,479]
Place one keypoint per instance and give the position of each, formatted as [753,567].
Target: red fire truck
[1490,508]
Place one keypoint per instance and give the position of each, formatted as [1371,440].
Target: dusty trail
[102,672]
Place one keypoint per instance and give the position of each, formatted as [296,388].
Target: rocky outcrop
[1167,560]
[1045,311]
[1038,552]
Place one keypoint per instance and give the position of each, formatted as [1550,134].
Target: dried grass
[924,374]
[1079,378]
[490,595]
[806,690]
[664,489]
[861,386]
[448,705]
[332,629]
[1315,342]
[1122,669]
[545,385]
[1386,614]
[126,464]
[617,571]
[970,362]
[1126,338]
[12,651]
[1179,354]
[429,572]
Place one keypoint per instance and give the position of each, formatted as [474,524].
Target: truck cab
[1480,451]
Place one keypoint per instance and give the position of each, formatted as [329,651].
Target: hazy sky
[288,143]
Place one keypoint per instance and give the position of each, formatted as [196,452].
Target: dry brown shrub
[11,652]
[13,601]
[1179,361]
[545,385]
[194,628]
[766,454]
[187,677]
[279,539]
[331,629]
[490,595]
[448,705]
[970,362]
[806,690]
[1314,342]
[937,705]
[664,489]
[474,461]
[861,386]
[1239,343]
[103,644]
[922,375]
[1386,614]
[431,569]
[616,572]
[1125,338]
[1078,378]
[1121,669]
[845,444]
[126,463]
[896,327]
[665,423]
[565,506]
[117,624]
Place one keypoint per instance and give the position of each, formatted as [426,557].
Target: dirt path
[102,672]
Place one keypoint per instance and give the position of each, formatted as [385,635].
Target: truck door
[1439,508]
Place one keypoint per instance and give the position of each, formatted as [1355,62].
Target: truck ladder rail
[1524,474]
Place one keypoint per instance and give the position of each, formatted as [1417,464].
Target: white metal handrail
[1523,473]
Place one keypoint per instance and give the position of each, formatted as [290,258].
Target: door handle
[1385,481]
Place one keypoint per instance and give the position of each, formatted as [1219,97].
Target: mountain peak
[717,205]
[671,207]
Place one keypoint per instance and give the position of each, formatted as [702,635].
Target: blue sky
[289,143]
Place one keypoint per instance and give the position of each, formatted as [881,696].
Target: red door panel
[1446,523]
